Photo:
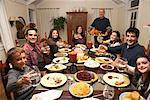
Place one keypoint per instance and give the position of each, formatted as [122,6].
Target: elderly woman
[18,82]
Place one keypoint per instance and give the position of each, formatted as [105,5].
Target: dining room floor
[2,91]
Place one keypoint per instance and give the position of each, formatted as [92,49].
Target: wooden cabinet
[73,20]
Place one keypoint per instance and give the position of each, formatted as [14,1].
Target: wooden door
[73,20]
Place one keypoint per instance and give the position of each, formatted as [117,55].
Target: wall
[143,19]
[68,5]
[15,9]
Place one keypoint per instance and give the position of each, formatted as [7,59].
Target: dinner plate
[90,98]
[53,80]
[104,60]
[55,67]
[82,46]
[81,89]
[64,50]
[60,54]
[85,76]
[116,79]
[61,60]
[91,64]
[107,67]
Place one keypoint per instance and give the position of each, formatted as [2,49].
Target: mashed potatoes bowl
[81,89]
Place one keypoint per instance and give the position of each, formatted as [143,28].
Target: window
[133,12]
[133,18]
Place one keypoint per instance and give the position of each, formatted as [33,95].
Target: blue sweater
[130,53]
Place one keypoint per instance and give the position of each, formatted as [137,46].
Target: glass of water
[122,64]
[108,92]
[35,76]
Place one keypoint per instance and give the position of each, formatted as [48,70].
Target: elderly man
[102,24]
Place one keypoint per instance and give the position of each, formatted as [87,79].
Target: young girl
[79,36]
[141,74]
[114,39]
[18,81]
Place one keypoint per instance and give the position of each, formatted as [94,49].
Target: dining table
[98,85]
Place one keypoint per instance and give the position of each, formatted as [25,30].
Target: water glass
[35,76]
[122,64]
[108,92]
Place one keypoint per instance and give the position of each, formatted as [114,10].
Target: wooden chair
[4,70]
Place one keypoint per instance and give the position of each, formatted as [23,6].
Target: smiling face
[131,38]
[55,34]
[19,60]
[31,37]
[101,13]
[79,30]
[113,36]
[143,65]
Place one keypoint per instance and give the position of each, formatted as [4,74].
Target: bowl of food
[80,89]
[85,76]
[106,66]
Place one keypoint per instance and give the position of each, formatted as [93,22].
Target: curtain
[108,13]
[5,32]
[44,19]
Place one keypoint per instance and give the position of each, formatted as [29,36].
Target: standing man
[102,24]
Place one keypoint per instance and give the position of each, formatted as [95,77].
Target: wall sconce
[12,20]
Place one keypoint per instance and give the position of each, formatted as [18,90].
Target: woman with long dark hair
[79,36]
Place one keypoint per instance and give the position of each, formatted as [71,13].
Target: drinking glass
[108,92]
[73,60]
[35,76]
[89,44]
[122,64]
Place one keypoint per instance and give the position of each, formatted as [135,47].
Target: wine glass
[108,92]
[35,76]
[122,64]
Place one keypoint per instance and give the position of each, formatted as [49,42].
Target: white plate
[55,67]
[116,79]
[102,66]
[91,64]
[90,92]
[82,46]
[60,54]
[61,60]
[105,60]
[91,98]
[64,50]
[53,80]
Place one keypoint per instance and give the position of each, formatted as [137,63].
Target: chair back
[4,70]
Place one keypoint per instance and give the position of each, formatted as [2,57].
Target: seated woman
[55,41]
[18,82]
[114,39]
[79,36]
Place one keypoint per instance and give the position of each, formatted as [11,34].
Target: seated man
[131,49]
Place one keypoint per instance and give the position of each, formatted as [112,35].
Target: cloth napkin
[47,95]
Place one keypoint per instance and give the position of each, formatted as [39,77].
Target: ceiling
[39,1]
